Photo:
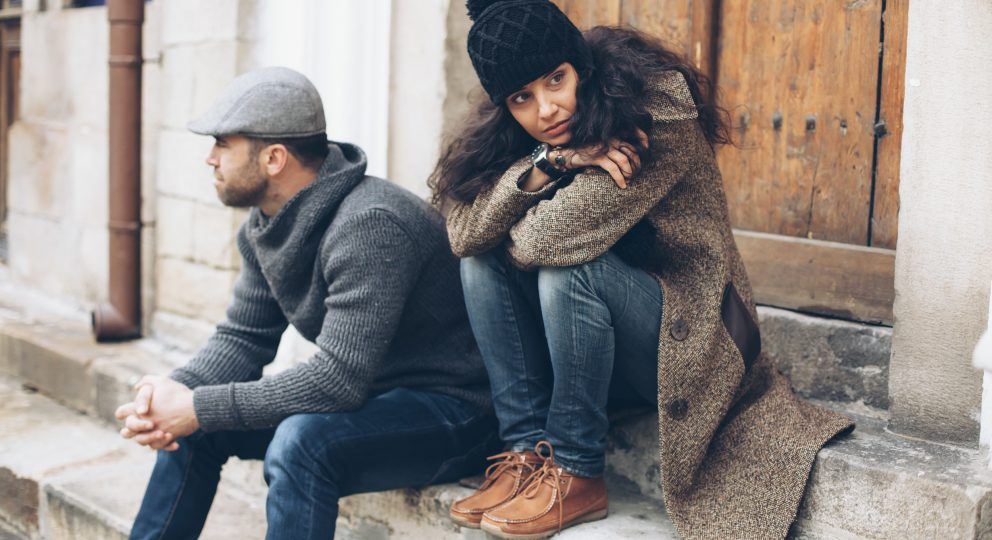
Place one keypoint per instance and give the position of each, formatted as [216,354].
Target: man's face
[238,177]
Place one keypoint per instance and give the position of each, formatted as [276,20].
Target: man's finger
[162,443]
[127,433]
[148,437]
[143,400]
[138,425]
[172,447]
[124,411]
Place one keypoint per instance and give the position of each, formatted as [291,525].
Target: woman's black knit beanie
[513,42]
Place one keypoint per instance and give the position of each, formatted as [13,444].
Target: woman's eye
[519,98]
[557,77]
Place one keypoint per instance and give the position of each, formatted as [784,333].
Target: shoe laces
[503,462]
[548,473]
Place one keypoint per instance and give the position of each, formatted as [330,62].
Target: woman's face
[544,108]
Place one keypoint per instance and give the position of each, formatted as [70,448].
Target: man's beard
[246,190]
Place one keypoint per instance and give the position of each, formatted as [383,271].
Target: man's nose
[211,159]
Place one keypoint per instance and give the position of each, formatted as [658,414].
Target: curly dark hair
[612,104]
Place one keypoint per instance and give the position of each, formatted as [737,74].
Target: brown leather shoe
[552,500]
[504,480]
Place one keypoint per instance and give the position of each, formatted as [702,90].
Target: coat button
[677,409]
[680,329]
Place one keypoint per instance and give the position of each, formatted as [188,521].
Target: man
[396,394]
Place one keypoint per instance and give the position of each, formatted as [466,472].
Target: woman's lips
[557,129]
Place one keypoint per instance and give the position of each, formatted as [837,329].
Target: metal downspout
[120,318]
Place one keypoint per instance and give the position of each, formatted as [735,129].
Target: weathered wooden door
[815,93]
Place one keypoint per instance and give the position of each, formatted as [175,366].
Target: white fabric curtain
[343,47]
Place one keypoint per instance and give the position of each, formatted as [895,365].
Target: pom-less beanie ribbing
[513,42]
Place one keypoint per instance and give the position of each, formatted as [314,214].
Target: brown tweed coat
[736,445]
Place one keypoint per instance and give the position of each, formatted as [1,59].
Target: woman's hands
[618,158]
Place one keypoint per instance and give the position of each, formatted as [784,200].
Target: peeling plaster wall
[944,258]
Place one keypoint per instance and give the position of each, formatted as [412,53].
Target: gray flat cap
[268,102]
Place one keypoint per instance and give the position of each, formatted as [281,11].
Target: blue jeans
[402,438]
[559,343]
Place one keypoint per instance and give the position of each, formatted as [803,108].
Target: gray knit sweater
[362,268]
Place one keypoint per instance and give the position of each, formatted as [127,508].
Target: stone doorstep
[830,360]
[411,514]
[869,484]
[64,475]
[61,360]
[67,476]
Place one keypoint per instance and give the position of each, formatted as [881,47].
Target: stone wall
[57,212]
[203,45]
[58,167]
[943,268]
[58,182]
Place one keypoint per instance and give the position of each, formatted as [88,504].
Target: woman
[599,263]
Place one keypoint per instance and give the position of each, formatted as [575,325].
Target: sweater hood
[286,245]
[314,206]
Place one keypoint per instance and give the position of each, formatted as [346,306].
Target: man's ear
[274,159]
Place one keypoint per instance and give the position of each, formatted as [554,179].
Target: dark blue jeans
[402,438]
[559,343]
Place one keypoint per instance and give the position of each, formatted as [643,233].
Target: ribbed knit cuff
[185,377]
[215,408]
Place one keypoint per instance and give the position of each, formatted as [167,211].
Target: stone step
[869,484]
[841,362]
[64,475]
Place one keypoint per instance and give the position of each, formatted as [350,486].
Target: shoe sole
[461,521]
[496,531]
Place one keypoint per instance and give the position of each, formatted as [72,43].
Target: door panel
[827,278]
[687,27]
[812,187]
[802,78]
[589,13]
[885,210]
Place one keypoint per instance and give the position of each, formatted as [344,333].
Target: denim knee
[477,270]
[294,447]
[212,444]
[557,281]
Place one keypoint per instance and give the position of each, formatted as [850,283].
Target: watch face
[537,152]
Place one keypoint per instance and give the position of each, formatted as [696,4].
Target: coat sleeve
[586,218]
[478,227]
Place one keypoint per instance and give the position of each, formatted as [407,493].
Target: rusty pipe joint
[110,325]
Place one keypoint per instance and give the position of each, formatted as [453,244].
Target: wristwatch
[539,159]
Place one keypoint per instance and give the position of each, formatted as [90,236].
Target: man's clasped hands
[162,411]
